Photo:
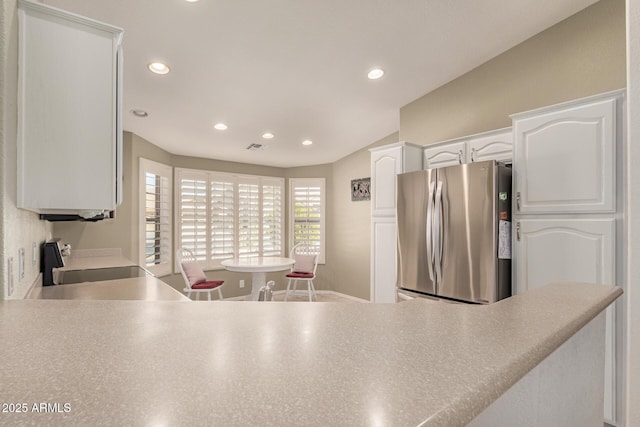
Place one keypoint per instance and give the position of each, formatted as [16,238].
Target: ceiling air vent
[254,147]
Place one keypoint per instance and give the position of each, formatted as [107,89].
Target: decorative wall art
[360,189]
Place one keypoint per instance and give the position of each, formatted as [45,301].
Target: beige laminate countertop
[255,363]
[146,288]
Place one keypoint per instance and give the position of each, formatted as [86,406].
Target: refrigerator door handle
[438,233]
[429,233]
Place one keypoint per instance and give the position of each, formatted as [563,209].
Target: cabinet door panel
[385,165]
[383,260]
[577,250]
[565,160]
[451,154]
[572,249]
[498,146]
[68,117]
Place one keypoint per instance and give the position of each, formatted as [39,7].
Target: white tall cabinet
[568,209]
[492,145]
[69,124]
[387,162]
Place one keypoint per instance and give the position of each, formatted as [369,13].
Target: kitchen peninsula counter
[256,363]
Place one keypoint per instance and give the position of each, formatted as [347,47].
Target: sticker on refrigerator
[504,240]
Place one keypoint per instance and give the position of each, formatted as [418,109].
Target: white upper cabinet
[493,145]
[445,154]
[387,162]
[69,125]
[496,145]
[565,157]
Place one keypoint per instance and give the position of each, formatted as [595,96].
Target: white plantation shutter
[271,218]
[248,220]
[307,205]
[223,216]
[155,217]
[193,215]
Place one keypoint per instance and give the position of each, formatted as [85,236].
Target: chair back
[184,255]
[304,249]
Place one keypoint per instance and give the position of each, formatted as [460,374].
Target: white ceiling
[298,68]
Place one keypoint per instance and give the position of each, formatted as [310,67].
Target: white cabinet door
[549,250]
[68,117]
[385,165]
[565,159]
[496,146]
[383,260]
[449,154]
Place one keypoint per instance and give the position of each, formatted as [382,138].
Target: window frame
[236,179]
[166,171]
[306,182]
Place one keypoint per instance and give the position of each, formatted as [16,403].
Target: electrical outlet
[34,254]
[242,283]
[20,264]
[10,276]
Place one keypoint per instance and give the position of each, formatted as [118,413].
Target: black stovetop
[98,274]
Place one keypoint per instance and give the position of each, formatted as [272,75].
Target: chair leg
[220,294]
[189,294]
[197,296]
[209,295]
[295,286]
[286,293]
[313,288]
[309,285]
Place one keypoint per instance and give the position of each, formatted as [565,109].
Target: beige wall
[349,244]
[580,56]
[18,228]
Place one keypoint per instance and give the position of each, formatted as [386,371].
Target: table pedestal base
[258,280]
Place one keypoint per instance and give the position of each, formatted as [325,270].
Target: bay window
[223,215]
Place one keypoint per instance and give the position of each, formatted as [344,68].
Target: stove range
[99,274]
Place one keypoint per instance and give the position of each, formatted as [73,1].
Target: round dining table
[258,267]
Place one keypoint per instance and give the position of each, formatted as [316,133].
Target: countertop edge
[477,399]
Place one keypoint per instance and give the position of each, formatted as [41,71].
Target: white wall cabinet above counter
[387,162]
[492,145]
[69,124]
[566,156]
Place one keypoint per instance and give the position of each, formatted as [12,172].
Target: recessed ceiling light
[220,126]
[158,68]
[139,113]
[376,73]
[307,142]
[268,135]
[192,1]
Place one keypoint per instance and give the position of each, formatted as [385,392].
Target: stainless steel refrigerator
[454,232]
